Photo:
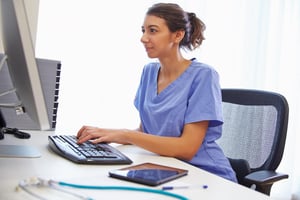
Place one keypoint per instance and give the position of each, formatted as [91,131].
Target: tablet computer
[148,173]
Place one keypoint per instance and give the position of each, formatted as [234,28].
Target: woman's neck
[173,68]
[170,71]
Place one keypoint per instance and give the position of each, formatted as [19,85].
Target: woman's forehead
[151,20]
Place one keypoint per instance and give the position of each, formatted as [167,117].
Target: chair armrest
[264,177]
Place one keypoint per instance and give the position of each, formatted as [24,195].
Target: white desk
[52,166]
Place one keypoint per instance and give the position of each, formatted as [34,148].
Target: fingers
[79,133]
[86,133]
[97,135]
[98,140]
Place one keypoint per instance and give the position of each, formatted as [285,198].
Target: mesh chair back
[255,126]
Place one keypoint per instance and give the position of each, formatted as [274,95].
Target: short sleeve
[205,101]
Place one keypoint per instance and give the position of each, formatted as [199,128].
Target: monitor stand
[19,151]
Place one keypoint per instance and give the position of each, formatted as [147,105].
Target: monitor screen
[22,64]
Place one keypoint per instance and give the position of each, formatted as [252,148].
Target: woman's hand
[98,135]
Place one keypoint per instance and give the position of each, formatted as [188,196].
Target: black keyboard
[86,153]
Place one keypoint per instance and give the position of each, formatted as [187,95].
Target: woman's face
[157,38]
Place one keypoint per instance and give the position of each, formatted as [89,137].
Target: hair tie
[192,15]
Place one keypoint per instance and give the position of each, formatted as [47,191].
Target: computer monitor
[22,64]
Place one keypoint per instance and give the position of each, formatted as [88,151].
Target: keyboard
[86,153]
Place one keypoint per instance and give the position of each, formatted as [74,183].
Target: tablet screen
[148,173]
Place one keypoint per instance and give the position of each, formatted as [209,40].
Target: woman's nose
[144,38]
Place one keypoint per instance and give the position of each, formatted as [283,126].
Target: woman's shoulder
[152,65]
[150,70]
[200,67]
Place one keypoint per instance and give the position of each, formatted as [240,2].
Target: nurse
[178,99]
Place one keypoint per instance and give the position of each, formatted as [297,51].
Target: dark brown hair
[178,19]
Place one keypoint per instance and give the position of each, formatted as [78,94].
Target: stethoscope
[37,182]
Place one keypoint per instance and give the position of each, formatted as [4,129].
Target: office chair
[254,134]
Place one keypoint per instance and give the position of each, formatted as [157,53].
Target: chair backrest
[255,127]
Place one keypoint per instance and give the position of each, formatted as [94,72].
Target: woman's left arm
[184,147]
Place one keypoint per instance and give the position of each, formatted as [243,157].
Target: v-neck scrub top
[193,97]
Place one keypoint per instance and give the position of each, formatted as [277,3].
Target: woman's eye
[152,30]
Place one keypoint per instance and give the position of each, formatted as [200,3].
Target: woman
[178,99]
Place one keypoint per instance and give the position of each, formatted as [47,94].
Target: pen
[183,187]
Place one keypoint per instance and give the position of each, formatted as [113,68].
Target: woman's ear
[179,35]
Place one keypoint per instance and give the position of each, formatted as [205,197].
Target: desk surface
[52,166]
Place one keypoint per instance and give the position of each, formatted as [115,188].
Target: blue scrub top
[194,96]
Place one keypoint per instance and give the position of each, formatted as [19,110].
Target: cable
[2,61]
